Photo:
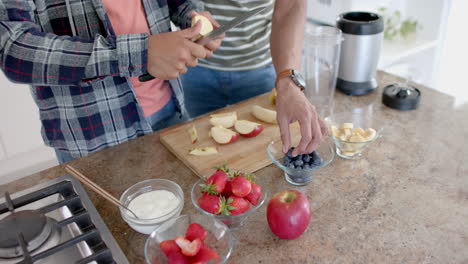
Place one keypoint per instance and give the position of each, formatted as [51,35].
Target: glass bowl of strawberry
[189,239]
[229,196]
[300,170]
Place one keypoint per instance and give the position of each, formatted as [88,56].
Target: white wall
[22,151]
[452,70]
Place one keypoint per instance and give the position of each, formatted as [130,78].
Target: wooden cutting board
[247,154]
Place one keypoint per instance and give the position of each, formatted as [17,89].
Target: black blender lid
[401,96]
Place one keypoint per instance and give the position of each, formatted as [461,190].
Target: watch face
[298,79]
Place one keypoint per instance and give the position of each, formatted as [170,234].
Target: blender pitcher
[321,56]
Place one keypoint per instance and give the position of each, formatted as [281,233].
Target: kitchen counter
[406,201]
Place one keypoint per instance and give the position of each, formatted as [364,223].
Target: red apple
[288,214]
[247,128]
[223,135]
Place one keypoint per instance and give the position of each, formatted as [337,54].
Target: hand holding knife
[214,34]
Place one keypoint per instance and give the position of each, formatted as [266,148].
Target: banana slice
[335,131]
[370,134]
[357,138]
[347,126]
[347,132]
[359,131]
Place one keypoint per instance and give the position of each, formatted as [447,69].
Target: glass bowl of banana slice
[354,131]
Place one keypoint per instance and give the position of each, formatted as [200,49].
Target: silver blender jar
[360,51]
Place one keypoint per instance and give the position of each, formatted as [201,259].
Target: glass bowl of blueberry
[300,170]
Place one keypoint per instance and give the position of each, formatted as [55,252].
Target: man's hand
[170,53]
[215,43]
[291,106]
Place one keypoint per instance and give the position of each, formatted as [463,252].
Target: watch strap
[286,73]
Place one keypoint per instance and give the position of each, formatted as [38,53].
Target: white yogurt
[154,204]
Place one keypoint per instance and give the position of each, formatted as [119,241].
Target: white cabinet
[22,151]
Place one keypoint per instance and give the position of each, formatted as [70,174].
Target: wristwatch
[295,76]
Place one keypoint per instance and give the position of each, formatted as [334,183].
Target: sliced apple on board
[205,151]
[226,120]
[206,28]
[223,135]
[263,114]
[193,134]
[247,128]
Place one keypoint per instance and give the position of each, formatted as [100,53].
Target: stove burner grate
[28,230]
[29,225]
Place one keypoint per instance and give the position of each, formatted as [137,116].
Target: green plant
[395,25]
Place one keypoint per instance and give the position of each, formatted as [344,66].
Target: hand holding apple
[288,214]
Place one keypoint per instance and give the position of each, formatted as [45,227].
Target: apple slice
[263,114]
[205,151]
[247,128]
[223,135]
[193,134]
[226,120]
[207,27]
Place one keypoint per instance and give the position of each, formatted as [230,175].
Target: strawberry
[255,194]
[177,258]
[188,248]
[216,182]
[195,231]
[241,186]
[210,203]
[227,189]
[169,247]
[204,255]
[238,205]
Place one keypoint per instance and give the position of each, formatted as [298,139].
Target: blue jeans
[206,90]
[165,117]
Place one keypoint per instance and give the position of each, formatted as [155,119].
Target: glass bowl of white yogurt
[153,201]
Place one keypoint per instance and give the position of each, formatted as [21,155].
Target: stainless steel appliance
[360,51]
[54,222]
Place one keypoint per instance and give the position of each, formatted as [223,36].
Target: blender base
[356,88]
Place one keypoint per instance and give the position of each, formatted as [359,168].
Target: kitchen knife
[214,34]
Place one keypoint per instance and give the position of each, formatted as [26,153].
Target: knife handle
[145,77]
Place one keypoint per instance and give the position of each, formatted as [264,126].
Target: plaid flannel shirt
[80,83]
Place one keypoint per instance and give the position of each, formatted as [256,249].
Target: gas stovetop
[54,222]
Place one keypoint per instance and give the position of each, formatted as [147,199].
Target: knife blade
[214,34]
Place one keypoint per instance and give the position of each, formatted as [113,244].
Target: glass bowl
[232,221]
[361,117]
[297,176]
[146,226]
[219,237]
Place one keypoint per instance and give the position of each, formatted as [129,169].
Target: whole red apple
[288,214]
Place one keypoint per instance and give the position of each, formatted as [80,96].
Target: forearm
[287,34]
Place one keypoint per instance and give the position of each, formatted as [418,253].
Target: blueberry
[291,166]
[315,155]
[317,162]
[286,161]
[306,158]
[298,163]
[306,166]
[289,154]
[307,178]
[299,180]
[299,157]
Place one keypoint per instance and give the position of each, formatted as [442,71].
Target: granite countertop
[406,201]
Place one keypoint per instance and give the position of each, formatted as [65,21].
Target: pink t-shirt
[128,17]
